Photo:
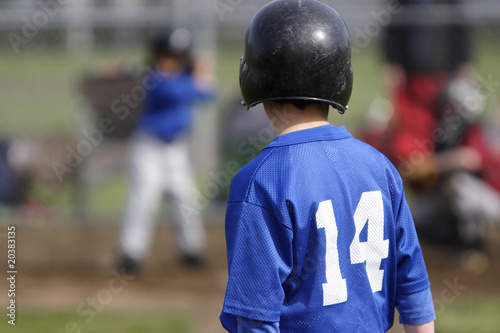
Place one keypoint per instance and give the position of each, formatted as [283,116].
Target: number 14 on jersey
[370,210]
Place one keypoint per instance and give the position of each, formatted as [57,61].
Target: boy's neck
[302,126]
[286,118]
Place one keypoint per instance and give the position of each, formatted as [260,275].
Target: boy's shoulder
[290,148]
[244,178]
[300,151]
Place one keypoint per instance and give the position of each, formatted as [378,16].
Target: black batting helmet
[297,50]
[176,42]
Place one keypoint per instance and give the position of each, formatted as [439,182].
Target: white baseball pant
[157,168]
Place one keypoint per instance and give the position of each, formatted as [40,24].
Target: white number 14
[370,210]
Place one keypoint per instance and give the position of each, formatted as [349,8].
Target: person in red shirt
[453,168]
[434,137]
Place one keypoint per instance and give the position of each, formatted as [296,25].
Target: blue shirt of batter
[168,109]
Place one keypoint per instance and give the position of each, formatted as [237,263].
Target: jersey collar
[320,133]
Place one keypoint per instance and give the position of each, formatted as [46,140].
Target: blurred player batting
[159,155]
[319,235]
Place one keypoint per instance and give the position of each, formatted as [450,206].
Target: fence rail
[60,22]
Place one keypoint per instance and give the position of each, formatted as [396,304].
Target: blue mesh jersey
[168,109]
[319,237]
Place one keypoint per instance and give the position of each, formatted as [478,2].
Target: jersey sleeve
[252,326]
[411,271]
[259,252]
[416,309]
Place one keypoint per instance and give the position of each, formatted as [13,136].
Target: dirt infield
[61,267]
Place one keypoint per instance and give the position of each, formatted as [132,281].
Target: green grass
[478,315]
[42,321]
[473,314]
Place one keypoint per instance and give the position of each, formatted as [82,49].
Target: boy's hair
[304,103]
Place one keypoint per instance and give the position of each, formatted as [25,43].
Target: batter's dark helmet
[297,50]
[177,42]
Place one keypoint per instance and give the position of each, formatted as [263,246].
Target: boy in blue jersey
[159,156]
[319,235]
